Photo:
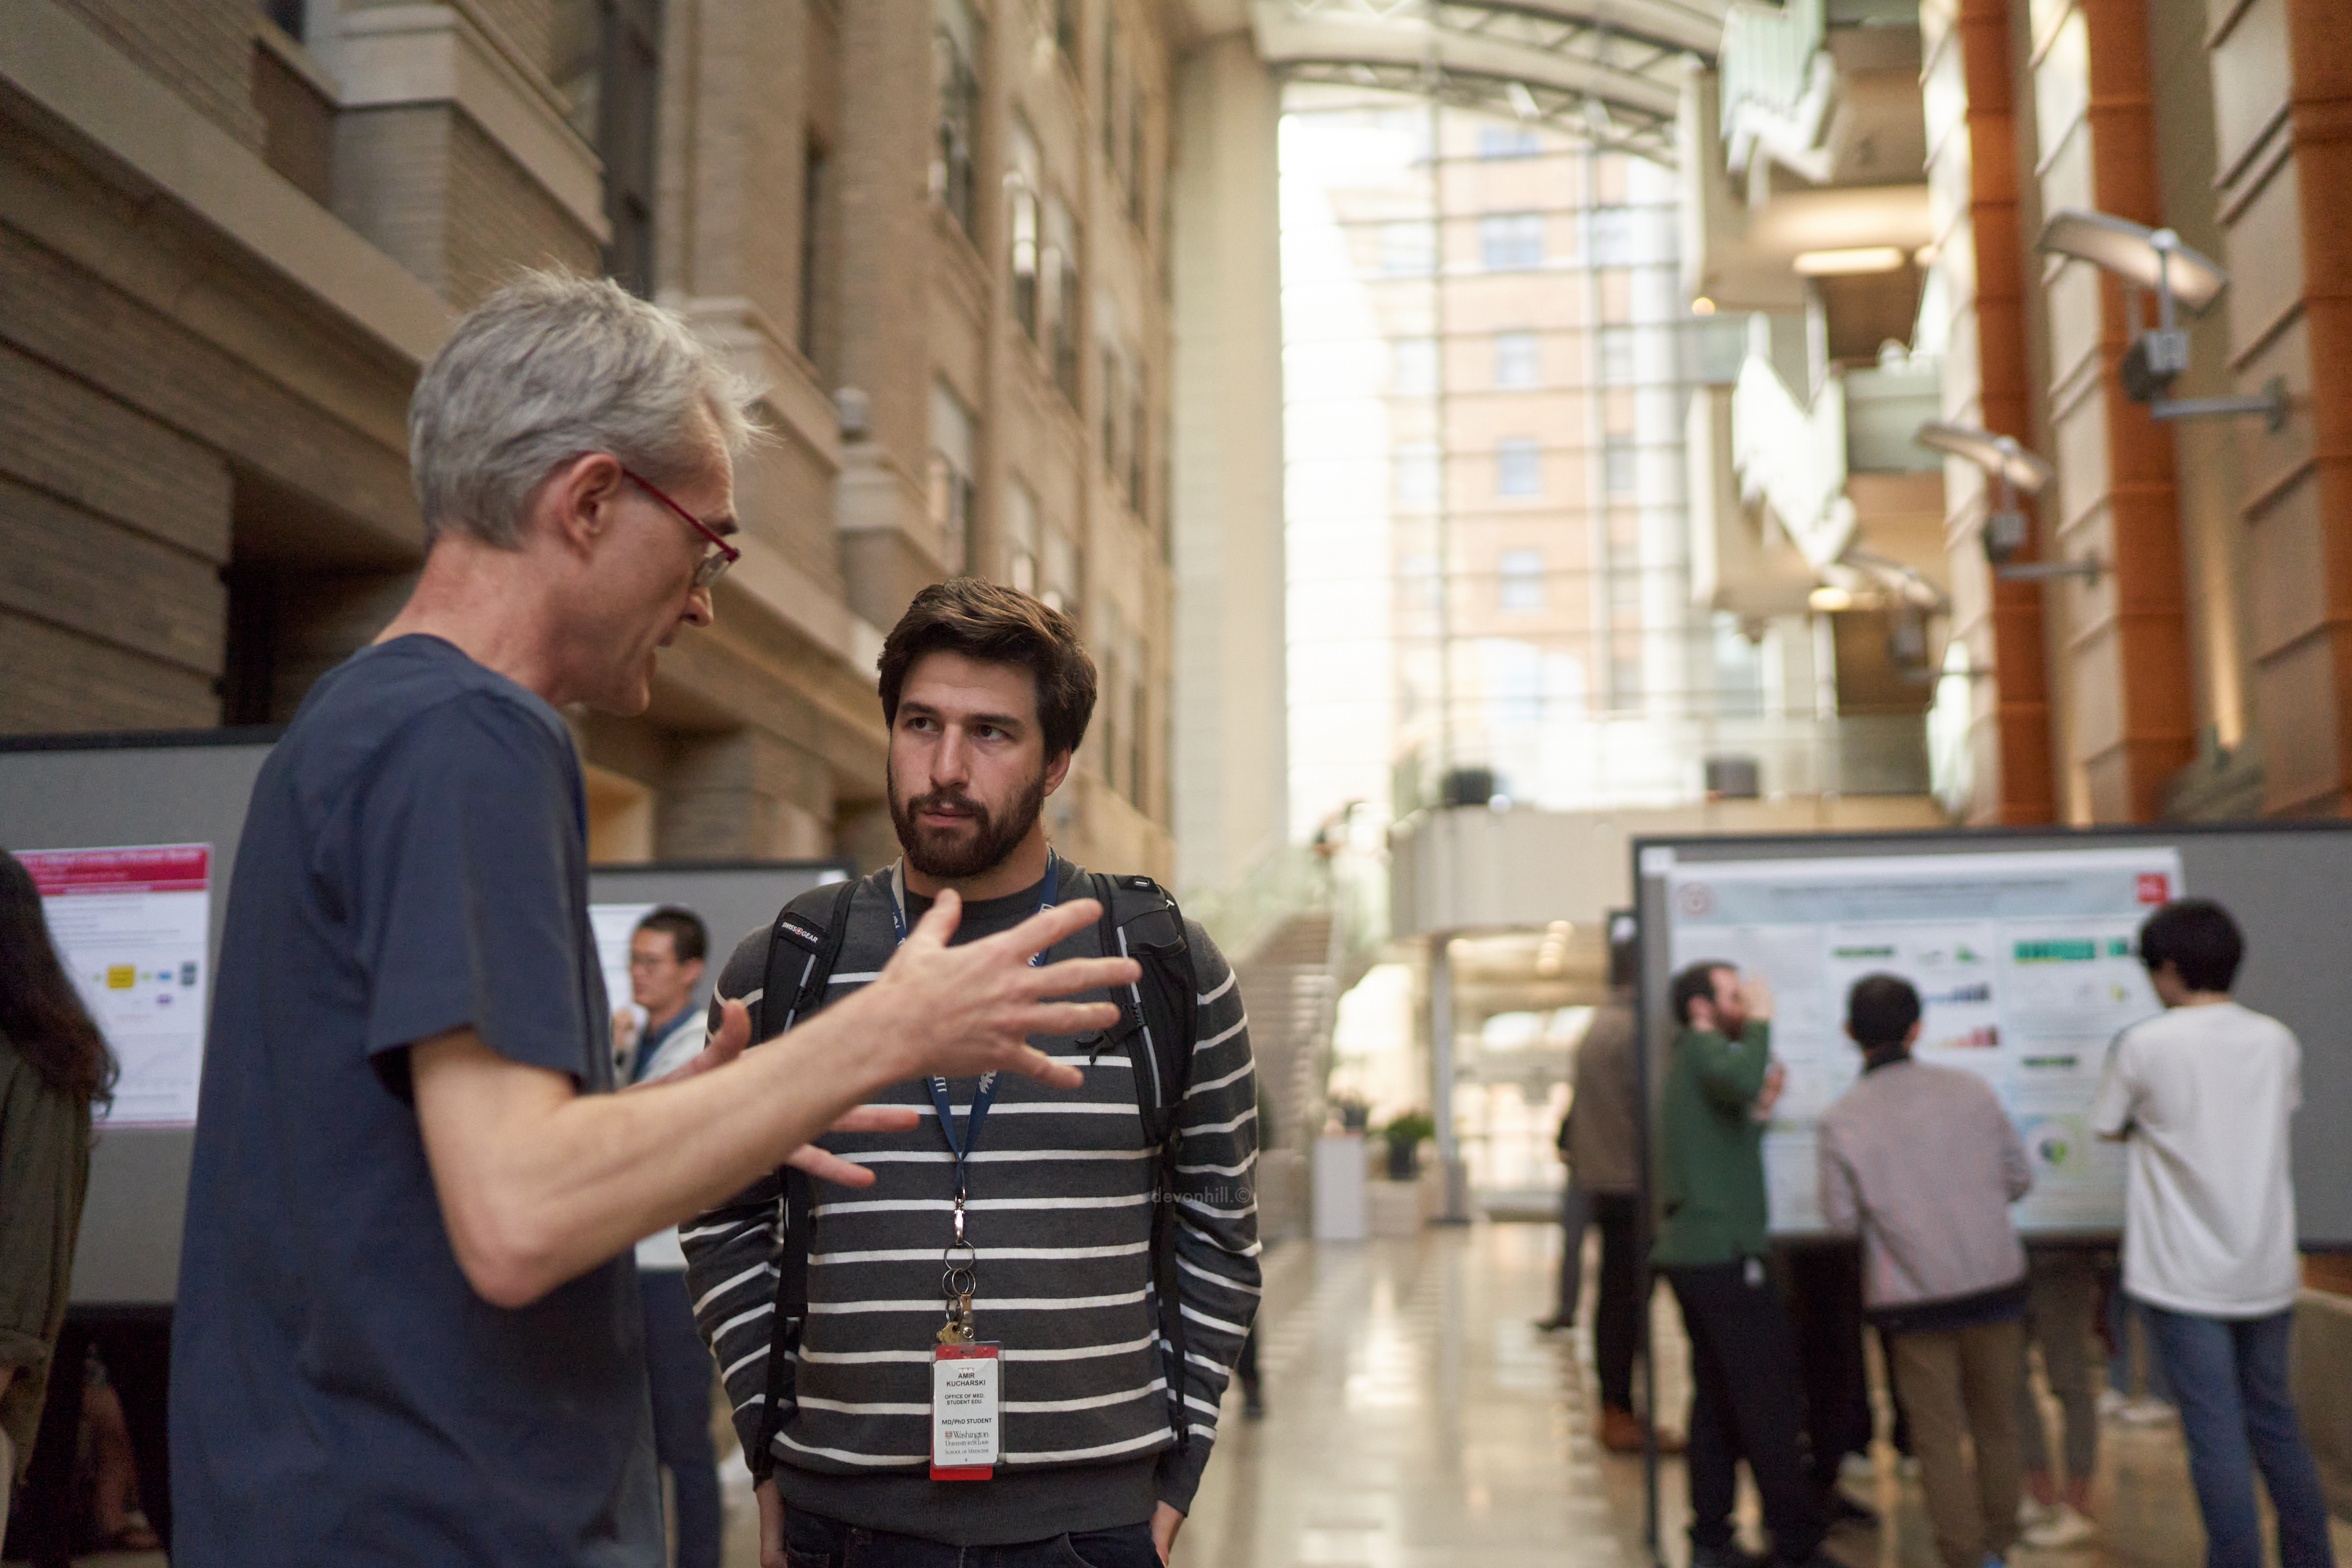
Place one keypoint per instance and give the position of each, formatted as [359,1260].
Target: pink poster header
[152,868]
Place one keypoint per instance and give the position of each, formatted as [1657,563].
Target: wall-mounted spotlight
[2012,469]
[2155,258]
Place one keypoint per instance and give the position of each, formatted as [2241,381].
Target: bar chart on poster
[2026,968]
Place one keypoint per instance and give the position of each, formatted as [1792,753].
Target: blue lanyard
[985,1095]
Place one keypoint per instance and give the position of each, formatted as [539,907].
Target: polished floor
[1416,1419]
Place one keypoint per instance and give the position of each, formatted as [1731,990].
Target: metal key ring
[957,1282]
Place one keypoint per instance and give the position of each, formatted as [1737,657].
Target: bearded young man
[987,693]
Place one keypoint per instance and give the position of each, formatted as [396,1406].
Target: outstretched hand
[961,1011]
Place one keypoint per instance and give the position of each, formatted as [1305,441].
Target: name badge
[967,1412]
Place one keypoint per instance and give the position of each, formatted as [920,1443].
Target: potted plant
[1403,1137]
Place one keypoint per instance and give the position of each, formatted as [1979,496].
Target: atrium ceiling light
[2011,469]
[2155,258]
[1702,306]
[1849,262]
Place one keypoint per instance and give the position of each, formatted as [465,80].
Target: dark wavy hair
[998,625]
[40,1012]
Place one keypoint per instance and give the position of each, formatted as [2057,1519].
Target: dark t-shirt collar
[986,916]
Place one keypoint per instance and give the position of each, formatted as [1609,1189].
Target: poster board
[2020,944]
[128,795]
[134,809]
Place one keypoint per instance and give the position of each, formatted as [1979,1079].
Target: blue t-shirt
[414,861]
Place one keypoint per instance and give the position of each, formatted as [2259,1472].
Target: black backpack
[1157,1015]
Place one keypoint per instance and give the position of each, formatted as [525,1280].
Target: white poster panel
[2026,969]
[131,926]
[613,924]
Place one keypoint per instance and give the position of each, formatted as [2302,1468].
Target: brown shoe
[1621,1433]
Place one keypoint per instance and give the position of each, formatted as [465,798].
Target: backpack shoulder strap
[1159,1012]
[804,946]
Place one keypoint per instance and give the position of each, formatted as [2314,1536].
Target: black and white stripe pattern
[1061,1214]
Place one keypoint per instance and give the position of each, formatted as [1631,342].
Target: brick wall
[500,218]
[435,193]
[114,528]
[201,49]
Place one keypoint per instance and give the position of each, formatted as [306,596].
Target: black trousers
[1746,1402]
[137,1349]
[1824,1281]
[1619,1317]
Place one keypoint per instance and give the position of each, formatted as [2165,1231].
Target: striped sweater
[1060,1213]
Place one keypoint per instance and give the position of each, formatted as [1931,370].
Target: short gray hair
[552,366]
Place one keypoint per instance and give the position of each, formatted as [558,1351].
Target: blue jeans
[2230,1379]
[812,1541]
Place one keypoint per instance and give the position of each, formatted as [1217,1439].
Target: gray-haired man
[407,1329]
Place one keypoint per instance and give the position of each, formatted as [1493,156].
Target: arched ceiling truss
[1608,70]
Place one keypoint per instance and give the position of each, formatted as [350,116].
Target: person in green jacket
[53,1064]
[1747,1401]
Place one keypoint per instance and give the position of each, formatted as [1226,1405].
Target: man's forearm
[540,1183]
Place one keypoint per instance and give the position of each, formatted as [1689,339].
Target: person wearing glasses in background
[407,1327]
[667,952]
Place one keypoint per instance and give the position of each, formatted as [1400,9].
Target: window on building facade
[609,74]
[1113,395]
[1135,166]
[1060,267]
[1138,715]
[1413,367]
[1112,692]
[1510,242]
[950,491]
[1612,236]
[1063,569]
[1417,582]
[1621,469]
[1110,86]
[1136,446]
[1617,355]
[955,47]
[1020,537]
[1508,142]
[1521,579]
[1518,467]
[1518,359]
[815,172]
[1022,185]
[1417,473]
[1408,247]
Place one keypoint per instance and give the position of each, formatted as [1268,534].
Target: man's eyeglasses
[718,558]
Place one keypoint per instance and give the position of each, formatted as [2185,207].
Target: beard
[978,844]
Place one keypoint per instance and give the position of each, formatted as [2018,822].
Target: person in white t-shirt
[2203,1093]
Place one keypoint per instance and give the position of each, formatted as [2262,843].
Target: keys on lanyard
[958,1280]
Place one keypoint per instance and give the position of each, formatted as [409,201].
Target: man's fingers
[828,1166]
[1085,974]
[939,922]
[877,1119]
[733,1033]
[1047,927]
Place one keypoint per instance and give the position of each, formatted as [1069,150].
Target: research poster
[2025,965]
[132,926]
